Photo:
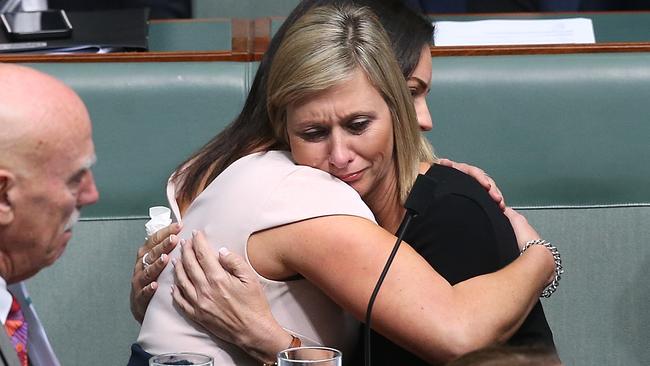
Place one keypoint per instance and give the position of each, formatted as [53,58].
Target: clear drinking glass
[181,358]
[310,356]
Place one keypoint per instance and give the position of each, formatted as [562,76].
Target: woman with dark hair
[252,121]
[337,102]
[480,252]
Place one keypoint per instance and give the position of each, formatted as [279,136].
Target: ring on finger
[144,260]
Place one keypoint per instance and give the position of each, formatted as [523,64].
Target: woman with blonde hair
[338,103]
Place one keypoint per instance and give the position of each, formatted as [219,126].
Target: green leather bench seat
[554,130]
[565,136]
[148,117]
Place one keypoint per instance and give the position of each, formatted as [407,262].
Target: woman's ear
[7,181]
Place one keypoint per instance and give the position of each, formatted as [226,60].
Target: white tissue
[160,216]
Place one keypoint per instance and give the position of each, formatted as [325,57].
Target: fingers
[481,177]
[514,216]
[183,282]
[235,265]
[446,162]
[161,235]
[477,173]
[523,230]
[146,293]
[495,194]
[182,303]
[191,265]
[204,253]
[140,300]
[165,247]
[510,213]
[152,272]
[144,274]
[143,284]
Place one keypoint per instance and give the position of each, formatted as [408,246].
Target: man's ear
[7,181]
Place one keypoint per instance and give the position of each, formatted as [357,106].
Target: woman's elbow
[463,339]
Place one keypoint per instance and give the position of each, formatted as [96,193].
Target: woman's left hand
[154,253]
[481,177]
[223,294]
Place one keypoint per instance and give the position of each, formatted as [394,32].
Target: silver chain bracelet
[559,270]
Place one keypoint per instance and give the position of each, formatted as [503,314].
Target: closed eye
[314,134]
[358,125]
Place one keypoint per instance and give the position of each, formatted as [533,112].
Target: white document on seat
[514,32]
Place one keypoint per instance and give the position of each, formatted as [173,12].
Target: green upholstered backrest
[599,314]
[147,118]
[83,300]
[554,130]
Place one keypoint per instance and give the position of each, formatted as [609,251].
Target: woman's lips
[352,177]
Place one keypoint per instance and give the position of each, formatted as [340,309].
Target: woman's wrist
[554,262]
[295,342]
[266,342]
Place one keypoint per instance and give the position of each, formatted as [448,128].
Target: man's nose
[89,194]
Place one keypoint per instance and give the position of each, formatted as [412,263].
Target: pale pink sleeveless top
[257,192]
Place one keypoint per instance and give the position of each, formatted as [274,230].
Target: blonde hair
[323,49]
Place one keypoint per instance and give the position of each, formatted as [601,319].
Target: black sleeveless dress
[462,234]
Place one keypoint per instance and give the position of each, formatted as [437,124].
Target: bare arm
[416,308]
[221,291]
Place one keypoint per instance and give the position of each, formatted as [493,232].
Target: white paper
[514,32]
[160,217]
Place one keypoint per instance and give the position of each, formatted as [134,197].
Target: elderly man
[46,151]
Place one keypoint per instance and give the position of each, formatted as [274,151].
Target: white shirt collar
[5,300]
